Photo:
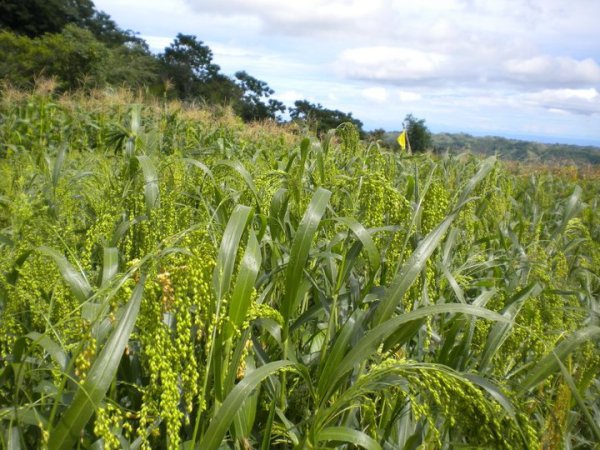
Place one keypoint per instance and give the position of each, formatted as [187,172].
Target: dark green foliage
[219,89]
[419,135]
[377,134]
[251,105]
[107,31]
[37,17]
[131,65]
[321,119]
[75,58]
[187,63]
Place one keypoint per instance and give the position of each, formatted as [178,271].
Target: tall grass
[174,279]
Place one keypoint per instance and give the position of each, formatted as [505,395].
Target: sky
[525,69]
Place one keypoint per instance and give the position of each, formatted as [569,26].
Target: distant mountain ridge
[515,149]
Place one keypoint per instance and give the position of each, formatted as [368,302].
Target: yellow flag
[402,140]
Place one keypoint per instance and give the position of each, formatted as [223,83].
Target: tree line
[81,48]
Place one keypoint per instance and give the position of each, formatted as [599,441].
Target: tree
[132,65]
[73,57]
[376,135]
[419,135]
[187,63]
[108,32]
[322,119]
[36,17]
[219,89]
[251,105]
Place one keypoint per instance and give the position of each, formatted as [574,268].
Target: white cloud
[554,70]
[392,64]
[578,101]
[157,43]
[406,96]
[295,18]
[401,66]
[375,94]
[290,96]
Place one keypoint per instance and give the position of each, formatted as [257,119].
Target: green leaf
[365,238]
[229,248]
[277,211]
[110,264]
[23,414]
[91,392]
[349,331]
[224,416]
[548,365]
[579,399]
[76,280]
[500,331]
[364,348]
[572,207]
[242,291]
[203,167]
[345,434]
[151,190]
[60,159]
[241,170]
[53,349]
[301,248]
[494,391]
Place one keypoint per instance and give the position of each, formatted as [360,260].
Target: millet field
[171,278]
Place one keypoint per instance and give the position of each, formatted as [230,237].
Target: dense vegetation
[170,276]
[79,47]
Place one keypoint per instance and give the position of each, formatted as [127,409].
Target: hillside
[517,150]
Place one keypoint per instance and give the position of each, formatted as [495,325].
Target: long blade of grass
[330,364]
[371,341]
[244,174]
[110,264]
[494,391]
[345,434]
[301,247]
[203,167]
[54,350]
[579,399]
[249,267]
[548,364]
[571,209]
[277,212]
[58,163]
[76,280]
[100,376]
[229,248]
[365,238]
[224,416]
[151,190]
[500,331]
